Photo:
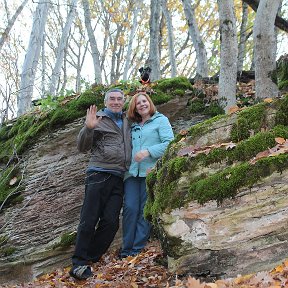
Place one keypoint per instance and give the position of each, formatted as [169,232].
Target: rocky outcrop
[54,174]
[219,214]
[243,235]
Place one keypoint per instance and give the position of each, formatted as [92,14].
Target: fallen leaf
[280,140]
[194,283]
[233,109]
[13,181]
[183,132]
[268,100]
[211,285]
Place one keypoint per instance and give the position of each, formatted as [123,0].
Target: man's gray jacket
[110,145]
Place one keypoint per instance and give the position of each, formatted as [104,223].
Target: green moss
[7,251]
[4,131]
[282,112]
[225,184]
[173,84]
[3,240]
[283,84]
[282,69]
[197,106]
[214,109]
[179,92]
[219,186]
[67,239]
[5,187]
[164,194]
[165,89]
[248,120]
[160,97]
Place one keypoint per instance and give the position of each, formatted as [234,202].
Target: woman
[151,134]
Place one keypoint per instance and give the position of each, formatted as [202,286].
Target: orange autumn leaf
[233,109]
[183,132]
[280,140]
[194,283]
[268,100]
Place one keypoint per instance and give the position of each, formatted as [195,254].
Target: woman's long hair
[132,114]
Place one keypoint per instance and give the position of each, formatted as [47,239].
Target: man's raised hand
[91,119]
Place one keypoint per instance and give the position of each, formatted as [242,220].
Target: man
[107,134]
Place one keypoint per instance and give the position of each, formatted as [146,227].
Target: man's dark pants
[101,209]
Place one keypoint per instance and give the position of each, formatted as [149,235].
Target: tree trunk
[228,55]
[170,38]
[32,57]
[62,46]
[131,37]
[10,24]
[201,55]
[93,43]
[43,70]
[243,38]
[154,58]
[265,49]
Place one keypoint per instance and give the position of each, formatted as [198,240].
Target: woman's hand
[141,155]
[91,119]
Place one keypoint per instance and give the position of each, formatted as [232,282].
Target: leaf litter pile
[144,270]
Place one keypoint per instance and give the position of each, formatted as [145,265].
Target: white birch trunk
[131,37]
[10,24]
[32,57]
[43,71]
[93,44]
[167,16]
[154,57]
[265,48]
[228,54]
[201,55]
[61,47]
[243,38]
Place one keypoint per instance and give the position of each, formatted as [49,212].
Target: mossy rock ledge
[219,214]
[38,231]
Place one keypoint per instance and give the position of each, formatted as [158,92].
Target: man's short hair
[113,90]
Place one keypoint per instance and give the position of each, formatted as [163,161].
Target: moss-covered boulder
[218,196]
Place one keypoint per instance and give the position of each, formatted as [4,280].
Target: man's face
[115,102]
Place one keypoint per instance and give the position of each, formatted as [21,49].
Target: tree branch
[280,22]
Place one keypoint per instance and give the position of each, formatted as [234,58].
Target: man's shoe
[81,272]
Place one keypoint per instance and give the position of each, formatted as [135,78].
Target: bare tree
[171,48]
[92,41]
[32,57]
[201,55]
[228,54]
[136,9]
[11,23]
[62,46]
[265,48]
[243,37]
[154,57]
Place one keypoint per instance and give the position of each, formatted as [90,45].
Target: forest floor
[145,270]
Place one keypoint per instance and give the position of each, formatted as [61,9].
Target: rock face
[243,235]
[54,173]
[248,233]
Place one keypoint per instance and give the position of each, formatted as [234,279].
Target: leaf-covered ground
[144,270]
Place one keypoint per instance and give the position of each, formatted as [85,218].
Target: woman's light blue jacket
[154,135]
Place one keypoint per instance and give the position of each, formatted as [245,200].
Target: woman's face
[142,106]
